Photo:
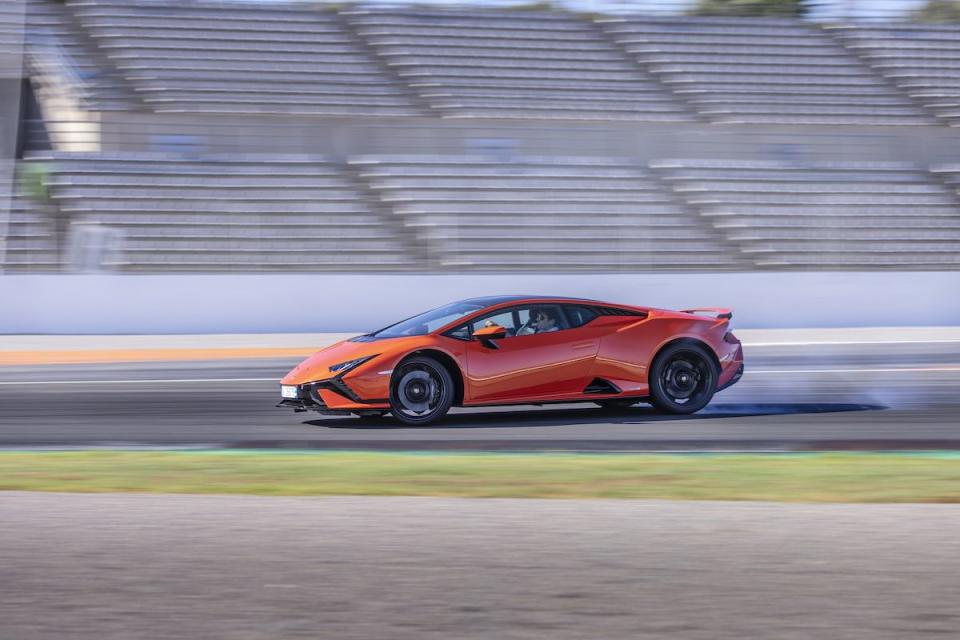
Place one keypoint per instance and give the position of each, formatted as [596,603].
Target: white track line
[940,369]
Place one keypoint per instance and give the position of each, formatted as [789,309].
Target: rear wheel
[421,391]
[683,378]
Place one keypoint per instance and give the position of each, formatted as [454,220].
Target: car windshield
[430,321]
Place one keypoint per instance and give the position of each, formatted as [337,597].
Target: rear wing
[720,313]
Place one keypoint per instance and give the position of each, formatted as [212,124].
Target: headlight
[343,367]
[287,391]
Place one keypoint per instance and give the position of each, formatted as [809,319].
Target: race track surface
[891,396]
[163,567]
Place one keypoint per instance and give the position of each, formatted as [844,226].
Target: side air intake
[599,385]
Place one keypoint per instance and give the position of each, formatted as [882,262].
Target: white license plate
[288,392]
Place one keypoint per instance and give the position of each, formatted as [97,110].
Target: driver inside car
[543,321]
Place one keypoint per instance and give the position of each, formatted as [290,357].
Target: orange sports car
[522,350]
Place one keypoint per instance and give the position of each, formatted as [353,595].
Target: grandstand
[293,59]
[441,139]
[560,214]
[11,38]
[193,57]
[755,70]
[922,61]
[836,216]
[224,213]
[30,234]
[60,46]
[483,64]
[949,175]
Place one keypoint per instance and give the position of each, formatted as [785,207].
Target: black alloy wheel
[421,391]
[683,378]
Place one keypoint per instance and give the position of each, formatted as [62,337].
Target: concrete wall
[323,302]
[643,141]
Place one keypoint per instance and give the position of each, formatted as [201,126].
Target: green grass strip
[854,477]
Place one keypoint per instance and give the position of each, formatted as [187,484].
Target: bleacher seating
[557,214]
[500,212]
[30,243]
[948,174]
[11,38]
[834,216]
[225,214]
[754,70]
[56,39]
[293,58]
[466,213]
[199,57]
[922,61]
[513,64]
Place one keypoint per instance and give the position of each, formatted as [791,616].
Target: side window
[508,319]
[460,333]
[525,321]
[542,318]
[578,315]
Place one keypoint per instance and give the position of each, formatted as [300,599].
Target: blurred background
[492,139]
[305,171]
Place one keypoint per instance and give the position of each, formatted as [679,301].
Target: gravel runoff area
[239,567]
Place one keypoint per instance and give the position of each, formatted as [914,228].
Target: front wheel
[682,378]
[421,391]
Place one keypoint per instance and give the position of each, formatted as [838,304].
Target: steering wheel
[526,329]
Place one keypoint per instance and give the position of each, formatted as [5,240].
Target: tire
[683,378]
[617,404]
[421,391]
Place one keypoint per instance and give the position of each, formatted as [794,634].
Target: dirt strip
[118,567]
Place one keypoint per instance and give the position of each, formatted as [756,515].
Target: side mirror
[487,335]
[493,332]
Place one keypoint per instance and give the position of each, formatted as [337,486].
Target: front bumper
[310,398]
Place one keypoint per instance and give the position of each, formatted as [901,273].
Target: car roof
[491,301]
[486,302]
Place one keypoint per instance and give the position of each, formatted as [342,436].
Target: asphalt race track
[849,396]
[169,567]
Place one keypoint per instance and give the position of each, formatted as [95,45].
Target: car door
[528,365]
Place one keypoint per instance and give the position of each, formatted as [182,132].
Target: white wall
[329,302]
